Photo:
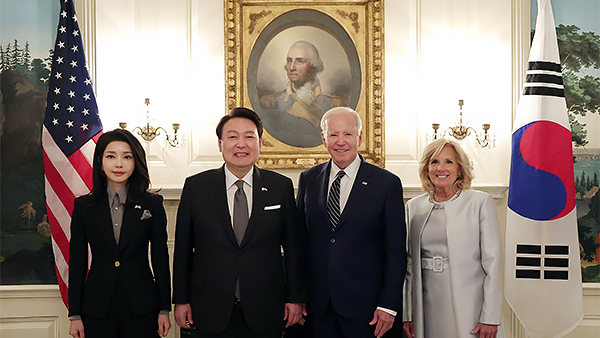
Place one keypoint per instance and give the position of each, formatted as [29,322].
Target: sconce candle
[460,131]
[149,133]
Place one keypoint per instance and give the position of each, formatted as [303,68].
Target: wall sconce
[149,133]
[461,131]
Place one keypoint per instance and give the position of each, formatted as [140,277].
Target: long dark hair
[138,182]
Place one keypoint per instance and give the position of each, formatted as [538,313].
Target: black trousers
[236,328]
[332,325]
[120,321]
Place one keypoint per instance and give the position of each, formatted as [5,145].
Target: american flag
[543,275]
[71,129]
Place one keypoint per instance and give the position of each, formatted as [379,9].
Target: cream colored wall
[171,51]
[437,52]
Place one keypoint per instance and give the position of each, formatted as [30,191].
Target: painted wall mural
[28,30]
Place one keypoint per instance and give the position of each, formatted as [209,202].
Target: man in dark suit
[354,213]
[232,223]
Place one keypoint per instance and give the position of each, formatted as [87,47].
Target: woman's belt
[435,263]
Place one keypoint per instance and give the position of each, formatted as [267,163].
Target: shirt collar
[351,170]
[122,193]
[230,178]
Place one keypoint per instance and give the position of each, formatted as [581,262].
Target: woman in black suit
[122,295]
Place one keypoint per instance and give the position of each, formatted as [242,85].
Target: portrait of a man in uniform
[292,114]
[302,103]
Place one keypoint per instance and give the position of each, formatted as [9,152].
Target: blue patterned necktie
[333,201]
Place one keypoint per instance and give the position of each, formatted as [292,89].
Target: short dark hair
[138,182]
[244,113]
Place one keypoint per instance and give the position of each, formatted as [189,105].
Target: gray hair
[338,111]
[312,54]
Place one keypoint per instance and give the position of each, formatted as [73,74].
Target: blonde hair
[465,169]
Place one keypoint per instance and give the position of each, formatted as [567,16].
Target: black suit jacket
[361,265]
[127,263]
[208,259]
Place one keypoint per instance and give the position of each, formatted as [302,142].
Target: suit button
[332,240]
[117,264]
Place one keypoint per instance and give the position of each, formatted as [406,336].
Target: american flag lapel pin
[264,189]
[365,183]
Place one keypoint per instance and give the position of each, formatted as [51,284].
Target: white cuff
[392,312]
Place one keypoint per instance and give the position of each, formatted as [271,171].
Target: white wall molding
[86,17]
[33,326]
[521,28]
[29,291]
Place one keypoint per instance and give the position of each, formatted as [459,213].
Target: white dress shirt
[347,181]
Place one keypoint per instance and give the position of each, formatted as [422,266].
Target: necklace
[455,196]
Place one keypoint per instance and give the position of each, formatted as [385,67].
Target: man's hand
[164,324]
[183,315]
[485,330]
[76,329]
[293,313]
[384,322]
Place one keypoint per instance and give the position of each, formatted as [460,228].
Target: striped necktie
[333,201]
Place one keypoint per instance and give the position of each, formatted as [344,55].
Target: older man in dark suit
[354,213]
[228,276]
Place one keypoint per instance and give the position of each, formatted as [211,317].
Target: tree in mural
[589,229]
[579,51]
[16,58]
[2,59]
[584,185]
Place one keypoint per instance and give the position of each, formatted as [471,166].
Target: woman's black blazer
[147,288]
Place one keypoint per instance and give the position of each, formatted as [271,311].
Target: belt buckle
[438,263]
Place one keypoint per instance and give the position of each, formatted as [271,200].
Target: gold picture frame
[347,36]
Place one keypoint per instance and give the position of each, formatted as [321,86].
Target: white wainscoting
[32,311]
[41,326]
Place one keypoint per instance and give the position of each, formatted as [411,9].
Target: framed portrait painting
[292,61]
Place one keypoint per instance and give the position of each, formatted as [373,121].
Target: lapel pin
[138,206]
[263,189]
[364,183]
